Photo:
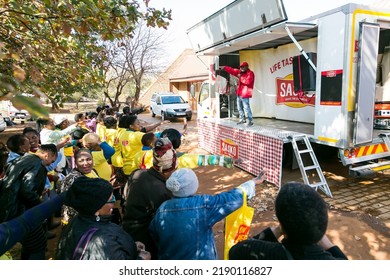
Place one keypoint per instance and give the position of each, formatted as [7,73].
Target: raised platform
[271,127]
[259,147]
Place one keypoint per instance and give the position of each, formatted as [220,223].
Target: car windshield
[172,99]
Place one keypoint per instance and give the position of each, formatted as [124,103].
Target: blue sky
[187,13]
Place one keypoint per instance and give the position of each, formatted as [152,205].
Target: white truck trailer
[323,80]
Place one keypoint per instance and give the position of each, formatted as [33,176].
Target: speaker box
[304,74]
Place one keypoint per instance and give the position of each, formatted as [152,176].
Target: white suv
[18,117]
[169,105]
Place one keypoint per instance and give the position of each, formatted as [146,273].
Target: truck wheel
[163,116]
[153,114]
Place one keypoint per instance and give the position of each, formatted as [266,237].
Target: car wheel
[153,114]
[163,116]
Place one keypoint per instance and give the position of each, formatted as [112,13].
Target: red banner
[285,94]
[228,148]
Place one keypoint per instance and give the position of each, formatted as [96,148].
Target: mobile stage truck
[322,82]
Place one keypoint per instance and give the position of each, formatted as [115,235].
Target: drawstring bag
[237,225]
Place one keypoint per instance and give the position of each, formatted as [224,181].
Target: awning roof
[191,68]
[187,79]
[266,38]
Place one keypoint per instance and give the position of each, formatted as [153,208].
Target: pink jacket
[245,81]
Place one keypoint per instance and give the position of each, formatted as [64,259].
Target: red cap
[244,64]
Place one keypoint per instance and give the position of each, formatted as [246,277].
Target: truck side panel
[331,122]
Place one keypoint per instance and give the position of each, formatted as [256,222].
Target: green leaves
[56,46]
[31,104]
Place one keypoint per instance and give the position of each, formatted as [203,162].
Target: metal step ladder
[308,164]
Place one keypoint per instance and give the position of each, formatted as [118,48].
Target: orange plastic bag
[237,226]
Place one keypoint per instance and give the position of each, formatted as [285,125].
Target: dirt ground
[359,235]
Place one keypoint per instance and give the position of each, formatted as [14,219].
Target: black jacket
[22,186]
[147,192]
[109,242]
[265,246]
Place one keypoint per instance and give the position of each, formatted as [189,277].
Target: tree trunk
[54,105]
[136,94]
[106,96]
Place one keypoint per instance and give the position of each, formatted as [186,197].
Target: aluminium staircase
[308,164]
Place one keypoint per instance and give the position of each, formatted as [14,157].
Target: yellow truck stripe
[371,150]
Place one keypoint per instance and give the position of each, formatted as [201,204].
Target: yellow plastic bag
[7,256]
[237,226]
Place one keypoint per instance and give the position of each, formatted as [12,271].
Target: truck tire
[153,114]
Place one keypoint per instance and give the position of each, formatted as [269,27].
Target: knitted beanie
[183,182]
[88,195]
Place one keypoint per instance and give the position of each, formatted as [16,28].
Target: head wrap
[164,156]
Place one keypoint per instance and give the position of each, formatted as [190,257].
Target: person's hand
[63,142]
[145,255]
[140,246]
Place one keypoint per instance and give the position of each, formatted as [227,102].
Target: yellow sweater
[130,144]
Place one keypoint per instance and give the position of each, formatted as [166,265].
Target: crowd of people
[124,191]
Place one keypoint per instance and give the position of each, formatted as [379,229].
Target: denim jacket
[182,227]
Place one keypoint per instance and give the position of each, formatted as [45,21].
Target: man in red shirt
[246,80]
